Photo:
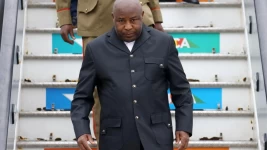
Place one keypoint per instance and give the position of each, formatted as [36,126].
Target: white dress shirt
[129,45]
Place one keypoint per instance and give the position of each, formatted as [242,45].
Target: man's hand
[182,137]
[159,27]
[65,31]
[82,142]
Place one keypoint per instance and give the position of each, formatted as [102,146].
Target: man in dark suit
[131,66]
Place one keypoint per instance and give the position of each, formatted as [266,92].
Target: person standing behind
[94,18]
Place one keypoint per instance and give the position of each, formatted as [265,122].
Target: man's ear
[113,17]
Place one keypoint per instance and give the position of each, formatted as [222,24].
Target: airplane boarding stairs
[213,50]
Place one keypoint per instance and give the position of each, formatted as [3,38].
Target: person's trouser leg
[141,146]
[96,108]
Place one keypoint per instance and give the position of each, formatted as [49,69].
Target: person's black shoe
[192,1]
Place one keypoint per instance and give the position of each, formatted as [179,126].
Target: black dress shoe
[192,1]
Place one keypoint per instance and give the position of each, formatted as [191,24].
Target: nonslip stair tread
[166,29]
[72,144]
[162,4]
[181,56]
[195,113]
[192,84]
[202,4]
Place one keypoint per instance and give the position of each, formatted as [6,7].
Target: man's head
[127,18]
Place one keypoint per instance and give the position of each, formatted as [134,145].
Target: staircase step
[205,125]
[233,98]
[41,1]
[34,4]
[68,67]
[223,42]
[195,113]
[167,29]
[73,144]
[188,15]
[206,15]
[181,56]
[234,95]
[202,4]
[192,84]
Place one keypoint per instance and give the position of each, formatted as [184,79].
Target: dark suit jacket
[132,88]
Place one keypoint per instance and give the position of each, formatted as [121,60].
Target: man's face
[128,23]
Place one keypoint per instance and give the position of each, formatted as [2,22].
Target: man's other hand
[182,139]
[65,31]
[82,142]
[159,27]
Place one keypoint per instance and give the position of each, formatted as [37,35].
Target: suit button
[131,56]
[135,101]
[132,71]
[134,86]
[103,131]
[161,66]
[169,125]
[136,117]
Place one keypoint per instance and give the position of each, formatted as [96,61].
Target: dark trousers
[73,11]
[141,146]
[133,146]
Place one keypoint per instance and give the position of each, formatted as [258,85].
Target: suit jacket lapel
[115,41]
[142,38]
